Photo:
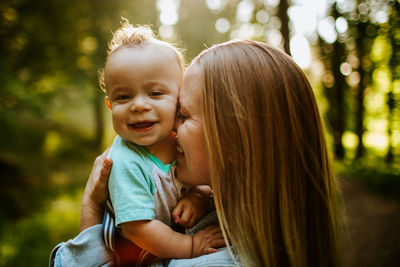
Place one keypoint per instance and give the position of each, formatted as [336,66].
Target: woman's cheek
[199,161]
[193,164]
[203,172]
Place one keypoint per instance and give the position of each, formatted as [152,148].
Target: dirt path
[373,228]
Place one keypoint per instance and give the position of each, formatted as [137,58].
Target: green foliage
[31,239]
[43,202]
[363,107]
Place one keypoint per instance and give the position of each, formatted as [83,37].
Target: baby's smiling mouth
[142,125]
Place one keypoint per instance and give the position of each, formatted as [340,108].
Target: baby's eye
[156,93]
[122,97]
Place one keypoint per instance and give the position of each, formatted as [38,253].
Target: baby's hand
[207,241]
[190,209]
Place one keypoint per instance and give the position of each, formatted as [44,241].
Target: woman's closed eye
[181,116]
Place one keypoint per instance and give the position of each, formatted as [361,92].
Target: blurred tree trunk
[98,59]
[394,26]
[333,55]
[284,18]
[391,104]
[336,114]
[362,51]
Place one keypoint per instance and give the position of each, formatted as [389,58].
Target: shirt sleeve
[86,249]
[131,187]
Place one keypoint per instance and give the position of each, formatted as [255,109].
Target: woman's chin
[179,173]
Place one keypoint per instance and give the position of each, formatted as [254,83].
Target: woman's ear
[108,103]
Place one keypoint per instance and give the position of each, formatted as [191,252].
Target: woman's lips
[179,151]
[142,126]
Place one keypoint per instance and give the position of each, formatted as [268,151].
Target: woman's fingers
[107,163]
[210,250]
[208,240]
[100,158]
[213,229]
[106,168]
[96,188]
[218,243]
[96,191]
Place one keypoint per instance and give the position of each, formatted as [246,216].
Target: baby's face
[142,89]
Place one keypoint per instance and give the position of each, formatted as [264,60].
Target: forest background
[54,122]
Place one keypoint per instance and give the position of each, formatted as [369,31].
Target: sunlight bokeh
[244,11]
[168,17]
[300,50]
[216,6]
[222,25]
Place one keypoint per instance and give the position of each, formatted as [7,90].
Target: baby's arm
[160,240]
[193,206]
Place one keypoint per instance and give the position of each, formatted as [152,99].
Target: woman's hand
[207,241]
[96,192]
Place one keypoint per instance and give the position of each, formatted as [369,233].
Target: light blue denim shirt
[88,249]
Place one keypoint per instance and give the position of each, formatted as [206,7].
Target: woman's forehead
[189,96]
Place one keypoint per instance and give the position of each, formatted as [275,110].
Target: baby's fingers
[191,222]
[185,218]
[177,212]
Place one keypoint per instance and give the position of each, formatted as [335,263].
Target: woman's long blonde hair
[274,189]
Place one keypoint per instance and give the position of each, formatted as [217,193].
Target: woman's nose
[140,104]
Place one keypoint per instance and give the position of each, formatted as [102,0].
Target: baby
[142,79]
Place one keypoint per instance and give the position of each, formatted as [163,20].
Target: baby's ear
[108,103]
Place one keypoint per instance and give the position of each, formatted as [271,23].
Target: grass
[376,176]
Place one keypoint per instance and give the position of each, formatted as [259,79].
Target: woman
[249,126]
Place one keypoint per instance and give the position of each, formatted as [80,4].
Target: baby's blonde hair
[131,36]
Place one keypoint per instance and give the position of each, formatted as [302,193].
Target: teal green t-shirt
[134,180]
